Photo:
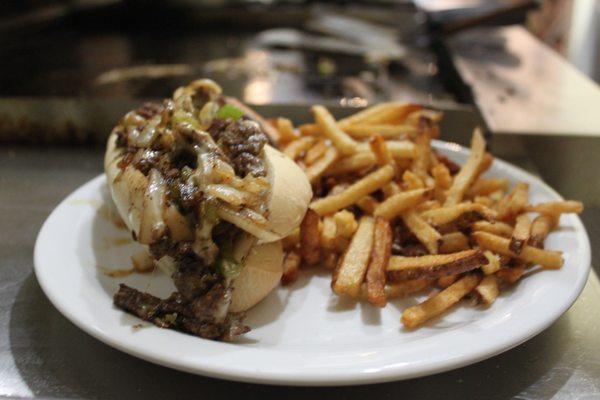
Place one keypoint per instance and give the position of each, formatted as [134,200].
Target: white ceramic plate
[301,335]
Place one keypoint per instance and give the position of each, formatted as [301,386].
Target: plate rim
[313,379]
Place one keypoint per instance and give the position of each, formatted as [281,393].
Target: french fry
[316,170]
[286,130]
[442,177]
[541,226]
[401,149]
[291,266]
[557,207]
[310,250]
[445,281]
[545,258]
[328,233]
[350,273]
[330,260]
[453,242]
[497,228]
[423,231]
[344,143]
[315,152]
[484,201]
[390,189]
[368,204]
[353,163]
[361,188]
[483,186]
[468,171]
[434,266]
[380,114]
[486,163]
[402,289]
[385,130]
[520,234]
[380,255]
[511,275]
[427,205]
[309,130]
[493,264]
[412,181]
[422,158]
[447,214]
[379,148]
[346,223]
[400,202]
[515,202]
[297,147]
[487,290]
[434,306]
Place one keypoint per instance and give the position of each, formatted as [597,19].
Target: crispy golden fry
[344,143]
[422,158]
[315,171]
[434,306]
[350,273]
[315,152]
[297,147]
[401,289]
[361,188]
[545,258]
[511,275]
[412,181]
[368,204]
[398,149]
[291,265]
[309,129]
[520,234]
[557,207]
[330,260]
[379,148]
[484,201]
[515,202]
[310,250]
[380,256]
[391,189]
[488,290]
[445,281]
[328,233]
[346,223]
[434,266]
[426,234]
[497,228]
[292,240]
[453,242]
[387,131]
[541,226]
[385,113]
[486,163]
[447,214]
[493,264]
[400,202]
[441,176]
[416,115]
[485,186]
[353,163]
[468,171]
[427,205]
[286,130]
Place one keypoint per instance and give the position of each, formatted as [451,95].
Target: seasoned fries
[392,217]
[380,255]
[349,275]
[419,314]
[344,143]
[468,172]
[355,192]
[434,266]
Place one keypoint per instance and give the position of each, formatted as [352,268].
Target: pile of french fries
[391,217]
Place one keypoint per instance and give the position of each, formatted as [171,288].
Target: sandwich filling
[207,186]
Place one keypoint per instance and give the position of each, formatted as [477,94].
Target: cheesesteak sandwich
[195,179]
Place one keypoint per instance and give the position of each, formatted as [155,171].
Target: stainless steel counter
[43,355]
